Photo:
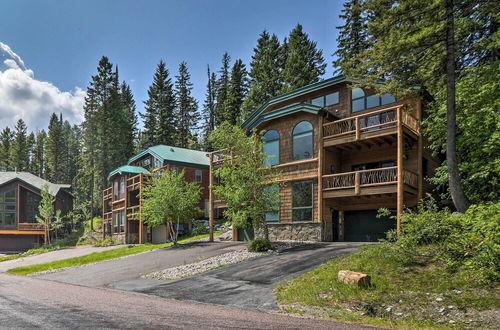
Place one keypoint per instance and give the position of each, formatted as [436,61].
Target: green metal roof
[297,92]
[175,155]
[286,110]
[128,169]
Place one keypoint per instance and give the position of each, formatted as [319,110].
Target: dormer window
[362,102]
[326,100]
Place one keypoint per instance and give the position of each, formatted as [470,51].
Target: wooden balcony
[376,124]
[23,228]
[107,193]
[367,182]
[133,212]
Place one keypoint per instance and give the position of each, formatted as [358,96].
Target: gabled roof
[297,92]
[33,180]
[175,155]
[284,111]
[128,169]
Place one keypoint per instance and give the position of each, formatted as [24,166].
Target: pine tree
[187,109]
[131,121]
[221,113]
[6,138]
[54,150]
[30,144]
[19,152]
[209,109]
[265,79]
[236,93]
[304,63]
[39,154]
[159,121]
[353,35]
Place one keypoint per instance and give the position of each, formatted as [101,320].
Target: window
[29,208]
[198,176]
[302,141]
[361,102]
[326,100]
[122,188]
[302,200]
[122,221]
[10,196]
[8,208]
[157,163]
[116,184]
[116,223]
[273,202]
[272,147]
[147,162]
[7,219]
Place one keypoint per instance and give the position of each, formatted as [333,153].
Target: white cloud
[22,96]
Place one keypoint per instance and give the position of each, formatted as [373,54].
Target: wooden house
[343,153]
[122,200]
[20,196]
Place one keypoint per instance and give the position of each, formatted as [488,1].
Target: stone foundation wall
[119,237]
[295,231]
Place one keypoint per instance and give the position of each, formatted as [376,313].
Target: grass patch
[402,295]
[96,257]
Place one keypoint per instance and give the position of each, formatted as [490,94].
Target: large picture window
[302,141]
[326,100]
[8,208]
[272,147]
[362,102]
[302,200]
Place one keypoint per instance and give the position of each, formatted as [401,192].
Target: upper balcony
[28,228]
[369,126]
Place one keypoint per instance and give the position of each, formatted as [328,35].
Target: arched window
[302,141]
[387,99]
[272,147]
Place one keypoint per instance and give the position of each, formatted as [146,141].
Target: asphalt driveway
[106,273]
[248,284]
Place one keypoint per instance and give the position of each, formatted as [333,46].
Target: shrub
[199,228]
[106,242]
[259,245]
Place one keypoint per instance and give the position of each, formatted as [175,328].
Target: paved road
[107,272]
[66,253]
[33,303]
[248,284]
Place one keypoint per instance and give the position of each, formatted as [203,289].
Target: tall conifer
[209,109]
[187,109]
[19,152]
[221,113]
[237,92]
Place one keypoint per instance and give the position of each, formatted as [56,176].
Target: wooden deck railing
[133,212]
[376,120]
[410,178]
[30,226]
[107,193]
[364,178]
[108,216]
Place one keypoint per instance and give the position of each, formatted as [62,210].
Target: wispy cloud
[23,96]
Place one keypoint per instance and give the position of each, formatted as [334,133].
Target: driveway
[248,284]
[108,272]
[66,253]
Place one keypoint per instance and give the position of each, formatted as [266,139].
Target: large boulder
[354,278]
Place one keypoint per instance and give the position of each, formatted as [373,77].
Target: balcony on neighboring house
[374,126]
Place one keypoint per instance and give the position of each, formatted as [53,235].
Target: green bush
[106,242]
[199,228]
[259,245]
[462,242]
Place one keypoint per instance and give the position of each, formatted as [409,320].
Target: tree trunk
[459,199]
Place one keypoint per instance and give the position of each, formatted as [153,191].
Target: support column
[400,185]
[420,148]
[211,214]
[320,170]
[141,224]
[341,225]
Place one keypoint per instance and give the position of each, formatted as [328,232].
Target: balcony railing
[374,121]
[107,193]
[133,212]
[368,178]
[30,226]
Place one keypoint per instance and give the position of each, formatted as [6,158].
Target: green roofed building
[122,199]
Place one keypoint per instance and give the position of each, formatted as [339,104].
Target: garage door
[364,226]
[17,242]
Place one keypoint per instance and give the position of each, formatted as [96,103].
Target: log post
[400,184]
[357,183]
[320,170]
[211,214]
[358,133]
[141,225]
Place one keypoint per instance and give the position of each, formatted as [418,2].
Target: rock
[439,299]
[354,278]
[388,309]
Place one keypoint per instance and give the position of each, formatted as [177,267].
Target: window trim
[304,207]
[196,176]
[312,141]
[279,145]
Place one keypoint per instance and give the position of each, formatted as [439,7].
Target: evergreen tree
[221,113]
[209,109]
[30,143]
[187,109]
[54,148]
[265,73]
[236,93]
[131,131]
[159,121]
[19,152]
[39,154]
[6,138]
[303,63]
[353,35]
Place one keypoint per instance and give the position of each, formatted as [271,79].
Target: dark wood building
[343,153]
[20,195]
[122,201]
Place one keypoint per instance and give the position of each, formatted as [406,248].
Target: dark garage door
[364,226]
[17,242]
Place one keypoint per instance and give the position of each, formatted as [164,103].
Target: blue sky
[62,41]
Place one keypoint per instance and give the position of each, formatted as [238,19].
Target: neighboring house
[122,201]
[20,195]
[344,153]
